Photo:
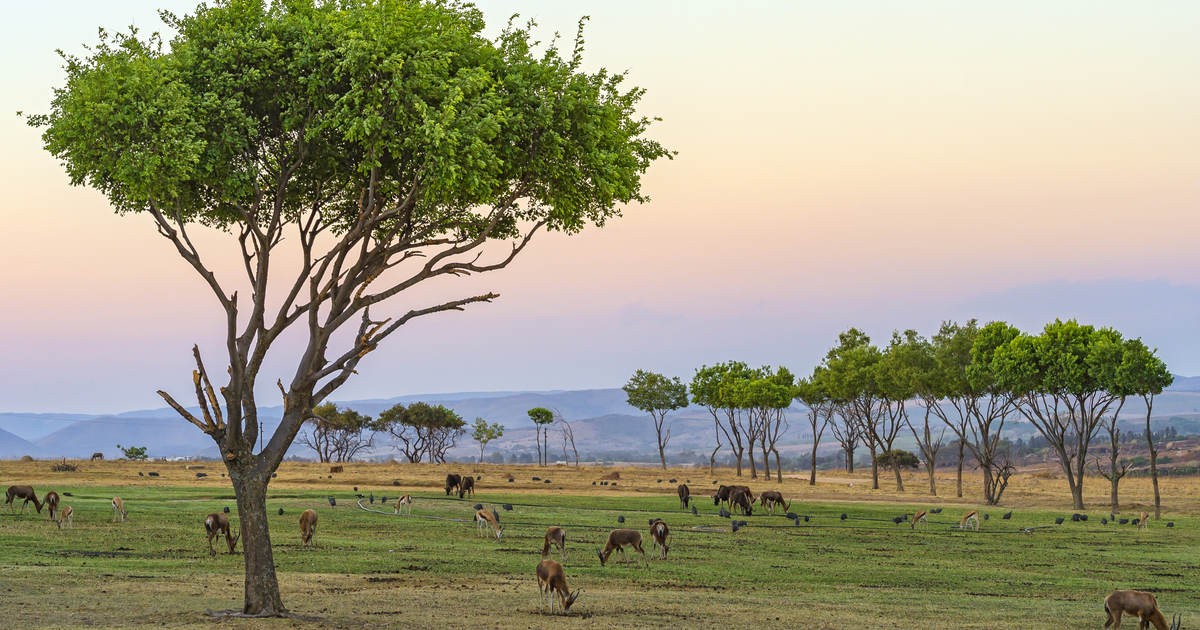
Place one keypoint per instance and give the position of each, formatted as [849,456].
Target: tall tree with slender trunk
[812,394]
[657,395]
[715,388]
[483,433]
[542,419]
[845,432]
[852,380]
[1116,468]
[352,150]
[1144,374]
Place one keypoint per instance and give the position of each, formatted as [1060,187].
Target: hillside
[13,447]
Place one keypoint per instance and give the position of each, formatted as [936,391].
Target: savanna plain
[371,568]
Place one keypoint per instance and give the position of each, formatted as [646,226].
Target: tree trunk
[1116,505]
[849,459]
[662,456]
[739,451]
[960,466]
[899,479]
[1157,501]
[812,470]
[262,586]
[778,467]
[1076,491]
[874,470]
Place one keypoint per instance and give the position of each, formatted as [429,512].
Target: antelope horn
[1175,621]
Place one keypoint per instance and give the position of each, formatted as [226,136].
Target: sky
[872,164]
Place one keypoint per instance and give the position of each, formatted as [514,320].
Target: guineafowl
[1103,521]
[714,482]
[1059,520]
[1083,517]
[226,509]
[735,527]
[356,488]
[1136,521]
[281,511]
[1123,521]
[791,515]
[496,515]
[1007,516]
[805,518]
[507,507]
[843,516]
[478,506]
[693,509]
[671,481]
[332,502]
[620,519]
[372,497]
[897,520]
[396,482]
[1170,524]
[987,516]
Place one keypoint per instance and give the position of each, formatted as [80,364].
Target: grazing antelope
[723,493]
[99,456]
[919,518]
[217,524]
[658,533]
[551,580]
[21,492]
[770,499]
[308,526]
[558,537]
[118,509]
[618,540]
[467,486]
[453,482]
[1144,606]
[743,500]
[51,502]
[1144,522]
[65,515]
[973,516]
[685,494]
[485,518]
[404,503]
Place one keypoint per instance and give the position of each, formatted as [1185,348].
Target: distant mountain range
[605,422]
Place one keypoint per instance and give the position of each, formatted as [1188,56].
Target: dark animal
[51,502]
[332,502]
[742,500]
[453,483]
[1007,516]
[96,456]
[772,499]
[685,494]
[152,474]
[1144,606]
[1123,521]
[723,493]
[1059,520]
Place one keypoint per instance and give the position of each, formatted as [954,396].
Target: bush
[133,453]
[902,458]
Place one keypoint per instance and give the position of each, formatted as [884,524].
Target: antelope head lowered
[551,581]
[21,492]
[308,526]
[118,509]
[619,539]
[1144,606]
[557,537]
[485,518]
[217,524]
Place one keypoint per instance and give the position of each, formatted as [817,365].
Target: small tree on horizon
[657,395]
[542,419]
[483,433]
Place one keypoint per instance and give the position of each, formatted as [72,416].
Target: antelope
[973,515]
[485,518]
[99,456]
[618,539]
[742,499]
[920,517]
[658,533]
[685,494]
[551,580]
[216,524]
[21,492]
[770,499]
[118,509]
[404,503]
[65,515]
[1144,522]
[1144,606]
[723,493]
[558,537]
[51,502]
[308,526]
[467,487]
[453,482]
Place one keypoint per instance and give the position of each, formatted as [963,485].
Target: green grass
[383,570]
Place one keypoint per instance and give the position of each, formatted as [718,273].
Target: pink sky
[870,164]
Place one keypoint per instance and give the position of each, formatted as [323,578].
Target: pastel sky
[875,164]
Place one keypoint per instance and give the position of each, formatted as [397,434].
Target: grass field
[378,570]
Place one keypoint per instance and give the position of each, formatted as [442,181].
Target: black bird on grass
[987,516]
[372,495]
[360,495]
[1083,517]
[742,523]
[805,518]
[723,513]
[478,506]
[537,478]
[496,514]
[796,521]
[1074,518]
[1123,521]
[396,482]
[141,475]
[273,475]
[281,511]
[620,519]
[547,481]
[1170,524]
[383,500]
[1112,517]
[1103,521]
[593,483]
[1136,521]
[356,488]
[693,509]
[68,494]
[671,481]
[660,481]
[1059,520]
[735,527]
[897,520]
[791,515]
[1007,516]
[843,516]
[332,502]
[478,477]
[507,507]
[226,509]
[714,482]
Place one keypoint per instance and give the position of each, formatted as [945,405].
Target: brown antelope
[742,500]
[118,509]
[770,499]
[557,536]
[1143,522]
[467,486]
[99,456]
[973,516]
[485,518]
[404,503]
[1144,606]
[658,533]
[65,515]
[453,482]
[308,526]
[685,494]
[723,493]
[552,580]
[920,518]
[51,502]
[217,524]
[21,492]
[618,540]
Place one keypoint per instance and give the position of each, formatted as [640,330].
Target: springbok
[742,499]
[770,499]
[308,526]
[51,502]
[1144,606]
[618,540]
[558,537]
[919,518]
[485,518]
[21,492]
[973,516]
[685,494]
[552,580]
[1143,522]
[404,503]
[65,515]
[658,533]
[118,509]
[467,486]
[217,524]
[453,482]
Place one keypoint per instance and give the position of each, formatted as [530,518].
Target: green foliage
[133,453]
[714,387]
[850,372]
[902,458]
[541,416]
[483,433]
[655,393]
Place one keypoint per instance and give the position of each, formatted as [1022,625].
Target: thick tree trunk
[849,459]
[778,467]
[1116,505]
[932,480]
[812,469]
[1154,482]
[874,470]
[899,479]
[739,451]
[662,456]
[261,587]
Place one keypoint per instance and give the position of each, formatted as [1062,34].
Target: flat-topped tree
[542,419]
[1143,374]
[657,395]
[379,144]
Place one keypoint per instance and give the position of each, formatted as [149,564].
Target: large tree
[422,430]
[657,395]
[1144,374]
[851,375]
[715,388]
[337,435]
[353,149]
[811,392]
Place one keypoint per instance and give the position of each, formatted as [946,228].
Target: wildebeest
[453,483]
[743,500]
[723,493]
[467,486]
[685,494]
